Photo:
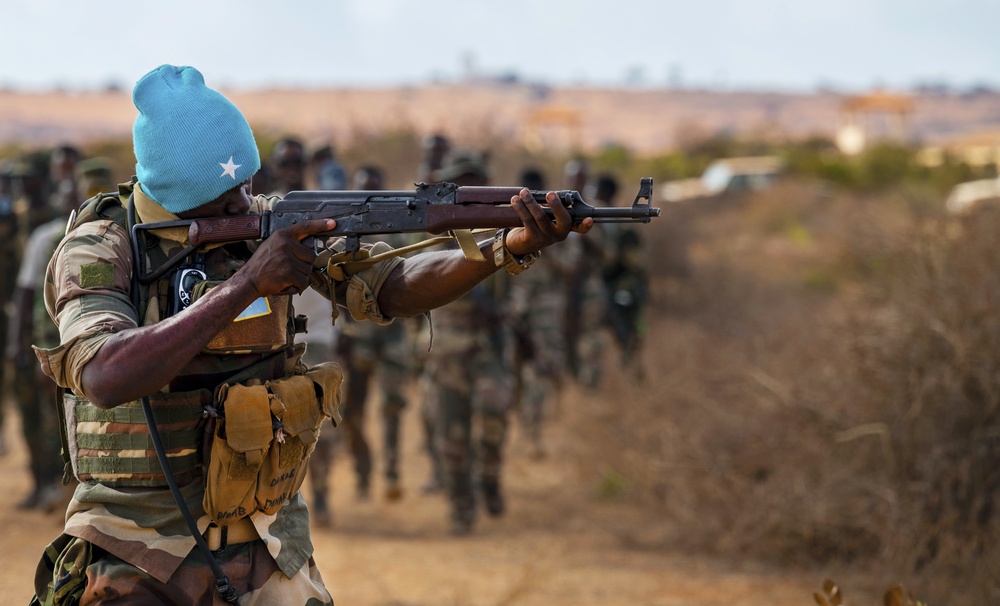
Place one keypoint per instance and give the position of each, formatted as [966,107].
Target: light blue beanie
[191,143]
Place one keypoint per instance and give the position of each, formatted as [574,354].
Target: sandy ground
[557,544]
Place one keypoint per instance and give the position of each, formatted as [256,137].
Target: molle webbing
[113,446]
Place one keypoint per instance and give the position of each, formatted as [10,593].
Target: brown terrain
[645,121]
[557,545]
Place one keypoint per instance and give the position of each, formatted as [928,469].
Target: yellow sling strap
[342,266]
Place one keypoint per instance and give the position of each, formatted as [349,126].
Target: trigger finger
[538,214]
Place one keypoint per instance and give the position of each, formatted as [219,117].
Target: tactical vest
[113,446]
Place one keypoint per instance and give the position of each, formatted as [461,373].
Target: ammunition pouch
[263,440]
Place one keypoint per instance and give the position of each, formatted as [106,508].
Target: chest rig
[114,446]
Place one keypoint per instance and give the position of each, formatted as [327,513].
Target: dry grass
[826,374]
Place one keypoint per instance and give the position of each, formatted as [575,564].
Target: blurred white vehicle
[726,175]
[964,196]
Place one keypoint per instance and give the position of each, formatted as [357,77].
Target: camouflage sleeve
[360,296]
[359,292]
[87,295]
[363,289]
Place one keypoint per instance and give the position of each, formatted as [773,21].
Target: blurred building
[553,127]
[875,116]
[978,150]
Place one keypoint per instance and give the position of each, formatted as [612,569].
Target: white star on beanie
[229,168]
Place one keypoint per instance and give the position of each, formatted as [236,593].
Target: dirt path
[556,546]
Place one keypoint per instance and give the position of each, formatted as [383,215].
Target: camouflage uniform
[627,292]
[31,210]
[124,528]
[10,259]
[471,386]
[367,349]
[588,295]
[364,350]
[39,418]
[320,340]
[538,302]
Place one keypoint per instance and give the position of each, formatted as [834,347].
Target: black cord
[226,591]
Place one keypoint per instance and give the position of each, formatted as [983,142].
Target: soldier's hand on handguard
[282,263]
[539,230]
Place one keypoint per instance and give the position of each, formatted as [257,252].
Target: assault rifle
[432,208]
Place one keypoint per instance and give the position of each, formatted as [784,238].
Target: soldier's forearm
[140,361]
[429,280]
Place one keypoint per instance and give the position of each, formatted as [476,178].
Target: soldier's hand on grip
[283,262]
[538,230]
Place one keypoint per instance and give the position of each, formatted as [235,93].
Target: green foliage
[613,157]
[879,168]
[821,279]
[612,484]
[885,164]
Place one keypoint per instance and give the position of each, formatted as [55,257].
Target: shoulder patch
[97,275]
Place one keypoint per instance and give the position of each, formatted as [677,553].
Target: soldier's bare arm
[430,280]
[139,361]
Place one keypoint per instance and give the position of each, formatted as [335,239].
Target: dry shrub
[736,421]
[932,365]
[823,388]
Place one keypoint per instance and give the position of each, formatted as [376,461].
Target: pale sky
[732,44]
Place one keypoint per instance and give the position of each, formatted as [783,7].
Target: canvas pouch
[242,440]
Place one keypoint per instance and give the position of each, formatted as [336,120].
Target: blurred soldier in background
[588,288]
[538,303]
[327,173]
[287,167]
[30,324]
[369,352]
[262,182]
[33,198]
[532,178]
[10,255]
[472,387]
[435,148]
[93,176]
[575,176]
[33,192]
[626,284]
[62,172]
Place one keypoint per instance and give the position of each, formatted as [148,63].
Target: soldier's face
[236,201]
